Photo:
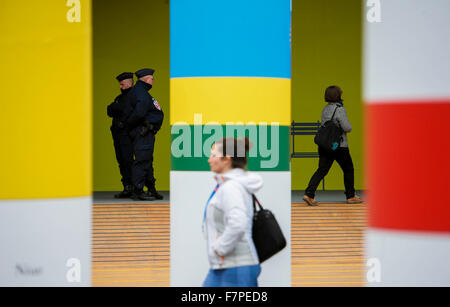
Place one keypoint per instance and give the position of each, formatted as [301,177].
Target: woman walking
[333,95]
[228,217]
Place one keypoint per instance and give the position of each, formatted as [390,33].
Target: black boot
[152,192]
[139,194]
[126,193]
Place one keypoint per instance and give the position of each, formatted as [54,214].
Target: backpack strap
[335,112]
[337,122]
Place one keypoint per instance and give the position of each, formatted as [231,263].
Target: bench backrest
[304,128]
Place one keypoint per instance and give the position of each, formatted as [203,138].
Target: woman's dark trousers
[326,159]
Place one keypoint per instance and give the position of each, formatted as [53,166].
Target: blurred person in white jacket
[228,217]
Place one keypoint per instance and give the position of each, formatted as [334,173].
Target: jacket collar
[124,92]
[144,85]
[221,178]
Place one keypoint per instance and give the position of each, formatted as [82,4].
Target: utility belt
[147,127]
[118,126]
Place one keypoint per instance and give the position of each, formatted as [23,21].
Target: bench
[304,129]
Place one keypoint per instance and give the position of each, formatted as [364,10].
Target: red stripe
[408,173]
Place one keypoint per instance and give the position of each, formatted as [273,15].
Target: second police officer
[144,123]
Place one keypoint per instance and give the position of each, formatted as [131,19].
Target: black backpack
[329,135]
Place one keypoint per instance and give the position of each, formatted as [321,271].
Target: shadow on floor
[108,197]
[321,196]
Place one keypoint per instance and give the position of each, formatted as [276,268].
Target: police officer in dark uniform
[144,123]
[120,110]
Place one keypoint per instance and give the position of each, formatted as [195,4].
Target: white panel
[38,237]
[410,258]
[407,54]
[188,258]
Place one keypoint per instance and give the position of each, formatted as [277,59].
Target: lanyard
[207,203]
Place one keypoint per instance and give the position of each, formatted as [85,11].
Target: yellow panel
[230,99]
[45,127]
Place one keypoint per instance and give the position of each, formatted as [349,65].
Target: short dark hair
[333,94]
[237,149]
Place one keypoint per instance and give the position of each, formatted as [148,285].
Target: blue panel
[230,38]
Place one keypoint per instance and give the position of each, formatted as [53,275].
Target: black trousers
[124,155]
[326,159]
[143,164]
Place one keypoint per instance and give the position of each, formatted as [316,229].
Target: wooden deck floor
[131,245]
[327,245]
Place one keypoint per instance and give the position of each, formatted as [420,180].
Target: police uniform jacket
[120,110]
[146,109]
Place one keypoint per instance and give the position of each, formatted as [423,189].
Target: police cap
[145,72]
[124,76]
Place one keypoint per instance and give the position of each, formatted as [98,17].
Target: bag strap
[255,200]
[337,107]
[335,112]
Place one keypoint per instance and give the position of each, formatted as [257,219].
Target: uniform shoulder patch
[156,104]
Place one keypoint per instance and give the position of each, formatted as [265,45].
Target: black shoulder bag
[267,235]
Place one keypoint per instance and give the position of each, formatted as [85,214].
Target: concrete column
[407,96]
[230,75]
[45,141]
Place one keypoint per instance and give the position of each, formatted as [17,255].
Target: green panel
[129,36]
[326,50]
[189,155]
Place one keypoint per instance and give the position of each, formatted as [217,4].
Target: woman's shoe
[354,200]
[310,201]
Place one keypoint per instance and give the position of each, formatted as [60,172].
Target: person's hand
[222,258]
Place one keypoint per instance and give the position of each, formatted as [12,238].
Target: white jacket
[229,219]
